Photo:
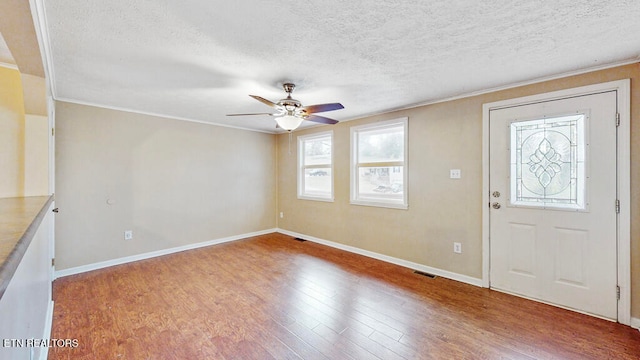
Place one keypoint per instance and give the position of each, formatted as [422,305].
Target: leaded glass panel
[548,162]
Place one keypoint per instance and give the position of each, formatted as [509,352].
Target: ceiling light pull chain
[290,137]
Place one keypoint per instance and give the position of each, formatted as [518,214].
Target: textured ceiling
[199,60]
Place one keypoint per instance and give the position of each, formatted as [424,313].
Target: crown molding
[147,113]
[505,87]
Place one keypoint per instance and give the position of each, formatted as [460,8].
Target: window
[378,164]
[315,169]
[548,162]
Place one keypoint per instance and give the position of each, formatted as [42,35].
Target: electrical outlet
[128,235]
[281,215]
[457,248]
[455,174]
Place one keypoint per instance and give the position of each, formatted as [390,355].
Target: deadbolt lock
[496,194]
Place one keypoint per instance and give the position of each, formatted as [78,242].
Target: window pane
[378,164]
[380,145]
[547,162]
[317,182]
[381,182]
[317,151]
[315,178]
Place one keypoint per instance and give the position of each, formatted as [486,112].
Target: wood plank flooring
[272,297]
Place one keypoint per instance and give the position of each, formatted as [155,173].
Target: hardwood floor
[272,297]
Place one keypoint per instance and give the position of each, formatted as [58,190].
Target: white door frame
[623,89]
[51,109]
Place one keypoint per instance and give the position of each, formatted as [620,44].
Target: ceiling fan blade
[265,101]
[320,119]
[270,114]
[322,108]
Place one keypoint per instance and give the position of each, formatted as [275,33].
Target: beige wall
[36,136]
[18,31]
[441,137]
[172,182]
[35,95]
[12,134]
[24,135]
[36,155]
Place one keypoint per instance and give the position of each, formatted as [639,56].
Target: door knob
[496,205]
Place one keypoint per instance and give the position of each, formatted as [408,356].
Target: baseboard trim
[153,254]
[635,322]
[44,353]
[390,259]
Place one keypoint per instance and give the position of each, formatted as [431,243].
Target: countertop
[19,220]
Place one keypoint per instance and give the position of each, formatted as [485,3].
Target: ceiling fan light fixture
[289,122]
[289,113]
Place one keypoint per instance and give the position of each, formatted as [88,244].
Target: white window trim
[301,167]
[404,121]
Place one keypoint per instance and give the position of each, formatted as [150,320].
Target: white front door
[552,217]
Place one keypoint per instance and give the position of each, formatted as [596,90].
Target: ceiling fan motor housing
[289,104]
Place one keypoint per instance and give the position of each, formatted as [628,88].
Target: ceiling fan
[290,113]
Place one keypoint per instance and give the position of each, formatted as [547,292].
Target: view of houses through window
[378,164]
[315,173]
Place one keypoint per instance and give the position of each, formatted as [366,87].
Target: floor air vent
[425,274]
[299,239]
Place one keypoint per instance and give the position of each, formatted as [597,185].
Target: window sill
[379,204]
[315,198]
